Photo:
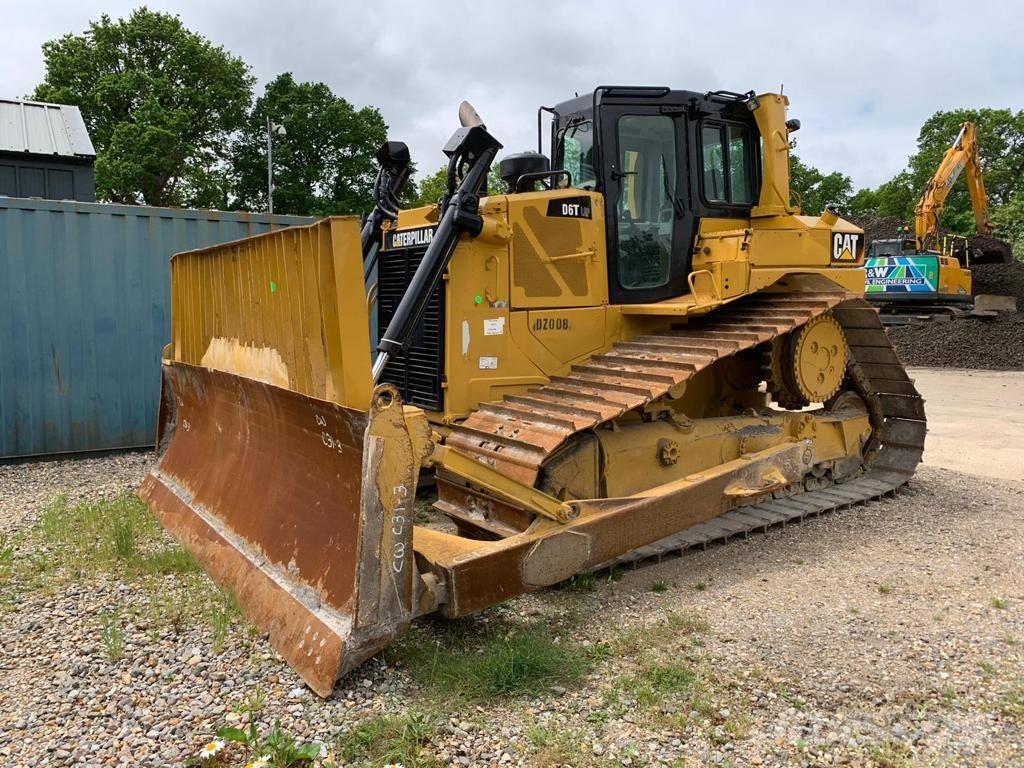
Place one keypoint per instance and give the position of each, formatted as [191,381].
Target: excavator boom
[961,156]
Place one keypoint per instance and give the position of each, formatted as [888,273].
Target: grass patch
[1012,705]
[122,537]
[659,586]
[581,582]
[98,535]
[676,627]
[556,746]
[891,754]
[485,659]
[112,635]
[999,603]
[395,739]
[884,589]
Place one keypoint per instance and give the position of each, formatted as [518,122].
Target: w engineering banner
[902,274]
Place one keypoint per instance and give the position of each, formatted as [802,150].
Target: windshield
[578,154]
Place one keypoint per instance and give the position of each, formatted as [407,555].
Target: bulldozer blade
[299,506]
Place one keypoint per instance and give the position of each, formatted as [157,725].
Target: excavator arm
[962,155]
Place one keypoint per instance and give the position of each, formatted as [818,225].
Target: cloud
[862,77]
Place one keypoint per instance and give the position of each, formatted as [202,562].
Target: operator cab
[663,160]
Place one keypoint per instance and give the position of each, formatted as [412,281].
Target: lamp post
[273,129]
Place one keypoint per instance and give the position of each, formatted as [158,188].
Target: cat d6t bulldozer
[639,347]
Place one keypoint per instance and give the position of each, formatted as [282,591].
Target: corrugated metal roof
[43,129]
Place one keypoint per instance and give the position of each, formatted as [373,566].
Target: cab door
[649,217]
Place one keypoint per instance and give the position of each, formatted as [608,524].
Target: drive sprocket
[808,365]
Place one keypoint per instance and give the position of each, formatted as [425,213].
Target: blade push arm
[473,147]
[961,156]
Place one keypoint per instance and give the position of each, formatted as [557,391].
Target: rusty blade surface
[263,486]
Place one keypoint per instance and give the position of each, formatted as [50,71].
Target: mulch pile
[995,343]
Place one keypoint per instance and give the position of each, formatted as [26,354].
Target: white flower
[259,762]
[211,749]
[394,765]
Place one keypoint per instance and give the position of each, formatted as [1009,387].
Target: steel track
[517,435]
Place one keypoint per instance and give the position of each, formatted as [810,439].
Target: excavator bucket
[280,469]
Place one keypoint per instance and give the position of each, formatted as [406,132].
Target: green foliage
[1001,145]
[431,189]
[7,550]
[494,660]
[1009,223]
[390,739]
[814,189]
[323,165]
[112,635]
[279,745]
[160,102]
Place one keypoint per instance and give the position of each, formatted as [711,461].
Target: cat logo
[846,247]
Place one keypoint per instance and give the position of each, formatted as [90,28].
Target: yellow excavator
[641,347]
[912,272]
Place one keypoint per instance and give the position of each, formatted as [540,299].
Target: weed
[988,669]
[885,589]
[700,586]
[999,603]
[891,754]
[498,660]
[673,628]
[581,582]
[112,635]
[97,535]
[223,612]
[788,696]
[122,537]
[171,560]
[279,745]
[1012,705]
[399,739]
[254,703]
[6,557]
[555,746]
[659,586]
[614,574]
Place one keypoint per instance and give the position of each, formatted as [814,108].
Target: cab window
[644,210]
[726,155]
[578,154]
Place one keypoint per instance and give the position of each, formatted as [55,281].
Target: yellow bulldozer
[640,347]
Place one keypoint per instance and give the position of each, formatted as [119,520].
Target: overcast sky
[861,76]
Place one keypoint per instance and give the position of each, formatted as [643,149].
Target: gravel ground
[26,487]
[886,635]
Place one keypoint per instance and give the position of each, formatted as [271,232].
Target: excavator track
[517,435]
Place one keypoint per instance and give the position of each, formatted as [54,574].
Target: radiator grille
[419,371]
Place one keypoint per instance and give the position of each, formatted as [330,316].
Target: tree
[1001,146]
[815,189]
[323,164]
[432,188]
[1009,224]
[160,102]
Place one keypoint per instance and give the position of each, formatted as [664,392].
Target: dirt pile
[995,343]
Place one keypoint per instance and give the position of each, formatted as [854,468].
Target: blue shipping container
[84,315]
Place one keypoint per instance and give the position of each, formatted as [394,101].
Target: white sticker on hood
[495,327]
[488,363]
